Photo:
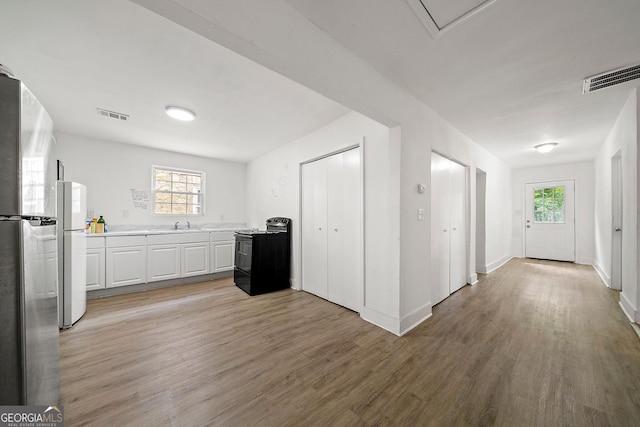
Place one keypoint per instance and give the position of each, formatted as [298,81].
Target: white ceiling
[78,55]
[509,77]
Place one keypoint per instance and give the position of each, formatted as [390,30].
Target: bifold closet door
[440,213]
[448,226]
[331,228]
[458,226]
[343,195]
[314,228]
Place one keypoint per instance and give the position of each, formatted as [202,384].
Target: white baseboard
[295,284]
[382,320]
[627,308]
[495,265]
[393,325]
[473,279]
[415,318]
[605,279]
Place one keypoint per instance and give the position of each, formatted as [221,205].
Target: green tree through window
[548,205]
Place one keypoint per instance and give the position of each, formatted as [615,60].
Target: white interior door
[458,226]
[616,238]
[550,223]
[440,213]
[314,228]
[343,207]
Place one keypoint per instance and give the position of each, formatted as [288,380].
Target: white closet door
[314,228]
[458,236]
[440,213]
[343,191]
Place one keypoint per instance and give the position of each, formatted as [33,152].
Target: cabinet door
[314,228]
[95,269]
[195,259]
[222,256]
[163,262]
[344,229]
[126,266]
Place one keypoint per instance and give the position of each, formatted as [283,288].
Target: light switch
[420,214]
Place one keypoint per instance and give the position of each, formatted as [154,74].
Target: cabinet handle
[335,229]
[444,231]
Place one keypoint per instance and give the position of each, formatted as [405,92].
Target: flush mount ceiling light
[180,113]
[546,147]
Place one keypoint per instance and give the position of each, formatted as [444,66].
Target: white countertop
[152,231]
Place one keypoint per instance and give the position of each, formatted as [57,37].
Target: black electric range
[263,258]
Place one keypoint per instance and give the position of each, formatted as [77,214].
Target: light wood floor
[534,343]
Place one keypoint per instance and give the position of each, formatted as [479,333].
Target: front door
[550,225]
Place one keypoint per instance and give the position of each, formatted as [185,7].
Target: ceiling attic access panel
[440,15]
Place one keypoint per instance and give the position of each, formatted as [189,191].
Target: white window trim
[179,170]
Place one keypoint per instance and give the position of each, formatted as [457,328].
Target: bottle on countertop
[92,227]
[100,225]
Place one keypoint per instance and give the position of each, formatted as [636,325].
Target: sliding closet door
[314,228]
[344,230]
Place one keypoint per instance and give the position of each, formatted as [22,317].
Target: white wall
[623,137]
[273,189]
[583,174]
[321,63]
[110,170]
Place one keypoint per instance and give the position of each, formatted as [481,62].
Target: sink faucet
[175,226]
[188,225]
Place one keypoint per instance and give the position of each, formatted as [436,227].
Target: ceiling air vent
[113,114]
[611,78]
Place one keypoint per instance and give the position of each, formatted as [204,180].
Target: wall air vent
[112,114]
[610,78]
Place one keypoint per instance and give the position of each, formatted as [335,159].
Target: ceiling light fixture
[546,147]
[180,113]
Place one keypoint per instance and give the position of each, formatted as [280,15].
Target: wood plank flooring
[535,343]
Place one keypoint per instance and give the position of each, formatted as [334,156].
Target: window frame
[172,169]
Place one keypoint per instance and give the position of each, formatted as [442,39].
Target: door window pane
[548,205]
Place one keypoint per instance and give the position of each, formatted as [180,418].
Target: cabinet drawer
[220,236]
[95,242]
[124,241]
[176,238]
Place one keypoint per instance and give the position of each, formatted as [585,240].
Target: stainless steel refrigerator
[29,356]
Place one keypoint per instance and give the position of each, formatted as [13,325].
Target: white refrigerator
[72,253]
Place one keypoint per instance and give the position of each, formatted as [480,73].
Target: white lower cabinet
[95,263]
[95,269]
[222,251]
[163,262]
[126,258]
[195,259]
